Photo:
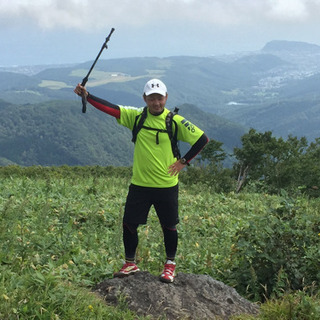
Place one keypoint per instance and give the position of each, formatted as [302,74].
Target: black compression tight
[131,239]
[170,235]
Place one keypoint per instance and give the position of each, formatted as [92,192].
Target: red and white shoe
[168,273]
[128,269]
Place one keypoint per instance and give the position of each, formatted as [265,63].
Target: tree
[279,164]
[310,171]
[213,152]
[251,157]
[209,170]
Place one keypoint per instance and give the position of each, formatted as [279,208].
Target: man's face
[155,102]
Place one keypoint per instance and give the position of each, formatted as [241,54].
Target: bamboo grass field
[61,233]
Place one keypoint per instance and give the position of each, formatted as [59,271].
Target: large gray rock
[189,297]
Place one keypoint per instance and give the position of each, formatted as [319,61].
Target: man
[155,170]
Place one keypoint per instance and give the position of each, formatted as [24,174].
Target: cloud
[289,10]
[58,31]
[96,14]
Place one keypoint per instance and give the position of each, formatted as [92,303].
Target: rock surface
[189,297]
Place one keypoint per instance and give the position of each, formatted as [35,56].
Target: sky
[37,32]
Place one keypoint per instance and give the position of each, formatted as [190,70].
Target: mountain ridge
[284,45]
[57,133]
[268,90]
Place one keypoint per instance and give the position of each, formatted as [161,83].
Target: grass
[60,233]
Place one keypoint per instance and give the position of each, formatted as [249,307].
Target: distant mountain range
[57,133]
[274,89]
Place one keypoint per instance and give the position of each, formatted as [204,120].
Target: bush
[276,252]
[217,178]
[292,306]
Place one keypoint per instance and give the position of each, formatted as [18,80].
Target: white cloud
[68,30]
[288,10]
[96,14]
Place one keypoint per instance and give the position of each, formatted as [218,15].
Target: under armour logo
[155,85]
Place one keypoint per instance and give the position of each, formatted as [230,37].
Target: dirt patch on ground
[189,297]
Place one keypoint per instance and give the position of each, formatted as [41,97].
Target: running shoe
[128,269]
[168,273]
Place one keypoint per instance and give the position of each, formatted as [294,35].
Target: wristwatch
[183,161]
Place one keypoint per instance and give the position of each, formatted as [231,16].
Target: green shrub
[277,251]
[291,306]
[218,179]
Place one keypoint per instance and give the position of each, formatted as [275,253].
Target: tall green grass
[61,233]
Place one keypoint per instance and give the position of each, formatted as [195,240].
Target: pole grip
[84,99]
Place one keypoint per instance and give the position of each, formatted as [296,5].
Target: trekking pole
[85,79]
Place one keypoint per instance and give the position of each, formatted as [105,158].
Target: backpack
[138,125]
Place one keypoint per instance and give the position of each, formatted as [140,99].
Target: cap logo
[155,86]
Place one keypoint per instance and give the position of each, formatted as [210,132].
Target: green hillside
[297,112]
[57,133]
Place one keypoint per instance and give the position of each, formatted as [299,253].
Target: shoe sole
[166,280]
[124,275]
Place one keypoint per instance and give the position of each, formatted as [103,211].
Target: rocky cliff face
[189,297]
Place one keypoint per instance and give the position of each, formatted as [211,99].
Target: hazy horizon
[72,31]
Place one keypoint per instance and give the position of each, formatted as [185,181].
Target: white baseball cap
[155,86]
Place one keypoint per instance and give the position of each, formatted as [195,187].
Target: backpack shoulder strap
[173,134]
[169,120]
[138,123]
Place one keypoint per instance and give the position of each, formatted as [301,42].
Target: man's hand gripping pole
[85,79]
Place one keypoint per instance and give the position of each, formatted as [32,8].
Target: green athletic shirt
[151,160]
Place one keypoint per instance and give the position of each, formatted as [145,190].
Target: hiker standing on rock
[156,164]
